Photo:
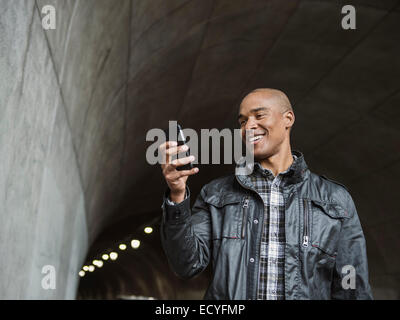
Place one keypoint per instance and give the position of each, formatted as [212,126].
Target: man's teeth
[255,138]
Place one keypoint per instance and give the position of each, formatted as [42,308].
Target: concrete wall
[53,85]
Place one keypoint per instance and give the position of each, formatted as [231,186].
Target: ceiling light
[135,244]
[148,230]
[81,273]
[91,268]
[105,257]
[85,268]
[113,255]
[98,263]
[122,246]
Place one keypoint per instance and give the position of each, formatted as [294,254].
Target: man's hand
[175,179]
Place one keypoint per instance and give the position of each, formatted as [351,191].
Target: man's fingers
[181,162]
[163,149]
[170,170]
[176,175]
[168,144]
[190,172]
[175,150]
[170,152]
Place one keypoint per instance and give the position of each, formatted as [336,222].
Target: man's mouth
[256,138]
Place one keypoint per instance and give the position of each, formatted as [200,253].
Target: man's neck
[278,162]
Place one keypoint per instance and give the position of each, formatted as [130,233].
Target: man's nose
[251,124]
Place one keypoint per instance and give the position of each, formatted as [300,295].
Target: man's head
[269,114]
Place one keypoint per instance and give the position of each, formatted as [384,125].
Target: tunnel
[77,100]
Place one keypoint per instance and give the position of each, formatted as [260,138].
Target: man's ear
[289,119]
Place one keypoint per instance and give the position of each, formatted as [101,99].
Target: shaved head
[278,98]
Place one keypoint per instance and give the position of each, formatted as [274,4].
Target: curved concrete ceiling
[133,66]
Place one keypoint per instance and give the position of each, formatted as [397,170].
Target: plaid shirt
[271,284]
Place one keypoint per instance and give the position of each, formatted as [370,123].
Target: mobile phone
[181,140]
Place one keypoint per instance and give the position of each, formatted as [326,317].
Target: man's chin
[261,155]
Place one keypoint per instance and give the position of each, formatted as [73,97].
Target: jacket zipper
[244,222]
[262,228]
[305,231]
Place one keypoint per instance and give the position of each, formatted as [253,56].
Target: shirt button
[251,260]
[255,221]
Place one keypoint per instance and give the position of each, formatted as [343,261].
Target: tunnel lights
[105,257]
[135,244]
[91,268]
[122,246]
[81,273]
[98,263]
[85,268]
[148,230]
[113,256]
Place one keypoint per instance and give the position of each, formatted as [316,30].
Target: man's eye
[260,116]
[242,122]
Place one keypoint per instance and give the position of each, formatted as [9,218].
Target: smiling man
[281,232]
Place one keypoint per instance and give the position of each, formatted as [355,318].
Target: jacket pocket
[327,220]
[226,216]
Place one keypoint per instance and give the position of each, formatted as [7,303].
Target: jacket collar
[294,174]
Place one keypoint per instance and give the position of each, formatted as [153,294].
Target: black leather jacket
[220,230]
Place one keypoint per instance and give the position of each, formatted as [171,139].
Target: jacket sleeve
[351,261]
[186,235]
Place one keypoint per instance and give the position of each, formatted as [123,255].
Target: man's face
[264,117]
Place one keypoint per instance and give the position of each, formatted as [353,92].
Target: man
[281,232]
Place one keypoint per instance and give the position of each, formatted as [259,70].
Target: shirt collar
[294,174]
[260,170]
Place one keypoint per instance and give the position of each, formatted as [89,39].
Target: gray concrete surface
[59,134]
[76,103]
